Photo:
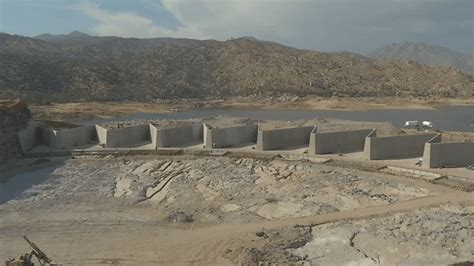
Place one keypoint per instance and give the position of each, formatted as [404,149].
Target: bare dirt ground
[186,210]
[89,110]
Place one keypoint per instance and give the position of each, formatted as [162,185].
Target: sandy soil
[187,210]
[317,103]
[88,110]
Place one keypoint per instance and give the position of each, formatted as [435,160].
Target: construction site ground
[227,210]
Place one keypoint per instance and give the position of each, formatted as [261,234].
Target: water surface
[449,118]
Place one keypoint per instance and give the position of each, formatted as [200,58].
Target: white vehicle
[427,124]
[414,123]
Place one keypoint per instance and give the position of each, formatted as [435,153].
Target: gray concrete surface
[282,139]
[177,136]
[229,136]
[29,137]
[71,138]
[101,134]
[123,137]
[396,147]
[153,134]
[454,154]
[338,142]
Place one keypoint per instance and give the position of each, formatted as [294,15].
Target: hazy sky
[326,25]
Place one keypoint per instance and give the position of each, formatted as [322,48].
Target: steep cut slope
[423,53]
[112,68]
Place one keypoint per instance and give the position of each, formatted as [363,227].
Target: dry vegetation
[119,69]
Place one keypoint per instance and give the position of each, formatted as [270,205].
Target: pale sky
[325,25]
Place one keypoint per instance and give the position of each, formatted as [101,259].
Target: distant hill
[77,67]
[432,55]
[78,42]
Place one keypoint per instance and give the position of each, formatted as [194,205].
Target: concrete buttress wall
[178,136]
[455,154]
[396,147]
[338,142]
[283,138]
[101,134]
[230,136]
[153,134]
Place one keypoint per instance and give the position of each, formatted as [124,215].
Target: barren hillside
[80,67]
[423,53]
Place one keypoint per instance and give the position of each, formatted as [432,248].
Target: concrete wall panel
[71,138]
[178,136]
[230,136]
[29,137]
[285,138]
[338,142]
[127,136]
[396,147]
[457,154]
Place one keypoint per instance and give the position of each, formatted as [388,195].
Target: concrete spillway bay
[13,185]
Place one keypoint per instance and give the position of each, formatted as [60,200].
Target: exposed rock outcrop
[14,116]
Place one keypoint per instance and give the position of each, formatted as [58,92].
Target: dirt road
[80,216]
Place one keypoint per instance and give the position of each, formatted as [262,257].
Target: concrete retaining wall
[338,142]
[396,147]
[29,137]
[123,137]
[286,138]
[177,137]
[456,154]
[70,138]
[230,136]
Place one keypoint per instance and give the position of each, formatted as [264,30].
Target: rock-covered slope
[423,53]
[82,67]
[14,116]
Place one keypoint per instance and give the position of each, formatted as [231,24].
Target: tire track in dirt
[207,244]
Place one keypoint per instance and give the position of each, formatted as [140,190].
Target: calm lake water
[453,118]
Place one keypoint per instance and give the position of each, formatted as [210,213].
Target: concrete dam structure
[69,138]
[151,137]
[437,154]
[228,137]
[285,138]
[339,141]
[395,147]
[30,137]
[181,136]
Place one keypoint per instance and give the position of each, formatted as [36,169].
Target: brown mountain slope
[423,53]
[208,69]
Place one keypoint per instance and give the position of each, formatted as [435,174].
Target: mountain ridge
[114,68]
[424,53]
